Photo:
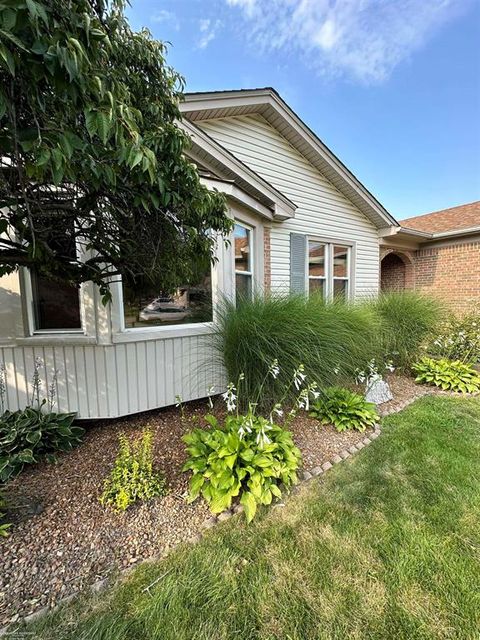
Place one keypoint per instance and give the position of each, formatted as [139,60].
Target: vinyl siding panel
[322,210]
[102,381]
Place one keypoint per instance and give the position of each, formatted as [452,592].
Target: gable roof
[464,216]
[269,104]
[208,152]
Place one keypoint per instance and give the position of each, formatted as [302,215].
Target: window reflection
[188,304]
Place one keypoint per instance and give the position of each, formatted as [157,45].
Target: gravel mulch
[71,541]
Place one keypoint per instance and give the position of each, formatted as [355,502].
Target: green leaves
[344,409]
[30,435]
[249,504]
[103,107]
[132,477]
[448,375]
[226,464]
[4,526]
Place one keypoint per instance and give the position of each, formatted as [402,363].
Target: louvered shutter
[298,256]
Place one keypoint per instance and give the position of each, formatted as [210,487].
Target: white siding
[109,381]
[322,209]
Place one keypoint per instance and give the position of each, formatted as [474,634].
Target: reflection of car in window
[164,309]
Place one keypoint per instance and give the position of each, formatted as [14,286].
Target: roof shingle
[461,217]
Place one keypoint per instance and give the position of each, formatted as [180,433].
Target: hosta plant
[35,433]
[449,375]
[344,409]
[31,435]
[247,458]
[133,477]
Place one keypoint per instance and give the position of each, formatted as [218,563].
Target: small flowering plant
[458,339]
[36,432]
[248,457]
[373,373]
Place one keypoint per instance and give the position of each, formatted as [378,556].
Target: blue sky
[391,86]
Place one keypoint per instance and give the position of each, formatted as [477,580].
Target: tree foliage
[91,153]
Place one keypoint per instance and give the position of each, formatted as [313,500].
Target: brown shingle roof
[461,217]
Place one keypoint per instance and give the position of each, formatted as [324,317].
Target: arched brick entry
[396,271]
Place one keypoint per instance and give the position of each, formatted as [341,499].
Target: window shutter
[298,254]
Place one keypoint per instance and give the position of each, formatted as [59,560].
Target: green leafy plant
[35,433]
[458,339]
[30,435]
[247,456]
[344,409]
[449,375]
[132,477]
[407,319]
[4,526]
[331,339]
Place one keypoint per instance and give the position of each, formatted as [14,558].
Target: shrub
[36,432]
[332,340]
[132,477]
[449,375]
[458,339]
[247,456]
[344,409]
[408,319]
[30,435]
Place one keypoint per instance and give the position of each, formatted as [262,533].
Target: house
[437,253]
[303,223]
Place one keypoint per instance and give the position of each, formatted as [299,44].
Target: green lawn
[385,546]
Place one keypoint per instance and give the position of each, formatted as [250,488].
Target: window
[56,304]
[243,261]
[340,271]
[328,269]
[316,268]
[189,303]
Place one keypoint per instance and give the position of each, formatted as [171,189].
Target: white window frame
[28,299]
[85,290]
[346,278]
[326,276]
[329,244]
[251,253]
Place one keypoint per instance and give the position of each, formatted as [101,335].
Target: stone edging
[210,522]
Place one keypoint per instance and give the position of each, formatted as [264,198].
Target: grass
[408,320]
[385,546]
[330,339]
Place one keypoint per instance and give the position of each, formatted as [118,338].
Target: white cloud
[363,38]
[208,30]
[166,17]
[249,6]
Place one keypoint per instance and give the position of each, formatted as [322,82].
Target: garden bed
[73,541]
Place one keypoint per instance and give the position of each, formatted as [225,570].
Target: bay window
[189,303]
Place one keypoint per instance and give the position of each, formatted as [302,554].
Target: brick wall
[267,263]
[452,273]
[393,273]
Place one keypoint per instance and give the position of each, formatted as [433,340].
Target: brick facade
[450,272]
[393,273]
